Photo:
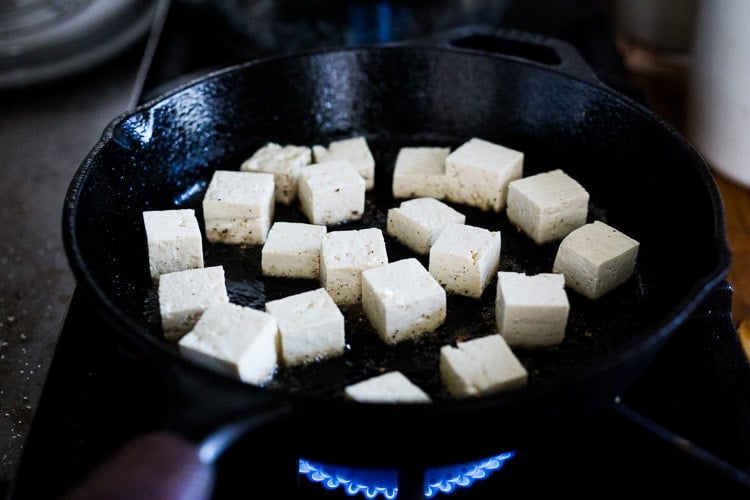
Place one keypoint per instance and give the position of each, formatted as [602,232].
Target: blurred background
[68,67]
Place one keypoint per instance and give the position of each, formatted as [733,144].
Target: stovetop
[683,426]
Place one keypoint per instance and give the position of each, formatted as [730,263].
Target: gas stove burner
[448,479]
[42,40]
[374,483]
[264,27]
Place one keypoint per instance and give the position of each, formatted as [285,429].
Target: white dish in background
[45,41]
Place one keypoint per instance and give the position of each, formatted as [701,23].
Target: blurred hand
[158,465]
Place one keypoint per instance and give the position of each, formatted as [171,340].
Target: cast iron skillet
[517,89]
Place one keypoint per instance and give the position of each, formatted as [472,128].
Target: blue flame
[448,479]
[370,482]
[384,22]
[375,482]
[188,193]
[370,23]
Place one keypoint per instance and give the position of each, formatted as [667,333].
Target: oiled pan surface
[642,177]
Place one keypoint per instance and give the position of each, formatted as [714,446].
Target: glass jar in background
[655,39]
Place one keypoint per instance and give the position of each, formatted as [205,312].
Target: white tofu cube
[390,387]
[419,172]
[311,327]
[356,151]
[465,258]
[343,257]
[478,173]
[547,206]
[174,241]
[331,192]
[184,295]
[318,153]
[284,162]
[238,207]
[480,366]
[418,222]
[402,300]
[595,259]
[292,250]
[236,340]
[531,311]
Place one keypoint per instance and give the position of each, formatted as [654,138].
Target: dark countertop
[45,132]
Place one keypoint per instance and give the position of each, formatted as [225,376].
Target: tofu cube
[356,151]
[292,250]
[478,173]
[311,327]
[547,206]
[595,259]
[236,340]
[238,207]
[390,387]
[174,241]
[285,163]
[531,311]
[331,192]
[418,222]
[419,172]
[318,153]
[465,258]
[184,295]
[402,300]
[343,257]
[480,366]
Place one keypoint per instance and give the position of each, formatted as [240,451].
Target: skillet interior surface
[643,179]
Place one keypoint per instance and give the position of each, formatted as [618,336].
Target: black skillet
[518,89]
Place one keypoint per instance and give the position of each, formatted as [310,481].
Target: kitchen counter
[45,131]
[737,205]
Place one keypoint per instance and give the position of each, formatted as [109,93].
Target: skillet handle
[548,52]
[215,414]
[179,462]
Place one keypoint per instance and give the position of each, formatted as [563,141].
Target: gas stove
[684,425]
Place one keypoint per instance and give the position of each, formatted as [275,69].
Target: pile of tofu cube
[402,299]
